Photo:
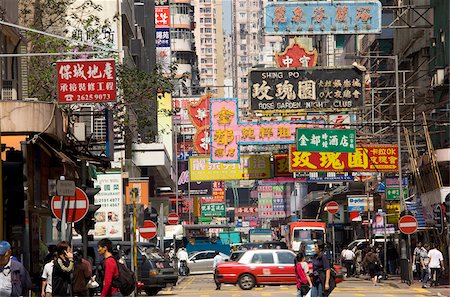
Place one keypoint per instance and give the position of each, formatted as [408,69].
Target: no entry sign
[148,230]
[332,207]
[76,206]
[407,224]
[172,218]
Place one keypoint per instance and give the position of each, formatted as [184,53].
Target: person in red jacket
[111,271]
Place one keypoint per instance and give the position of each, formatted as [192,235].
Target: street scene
[225,148]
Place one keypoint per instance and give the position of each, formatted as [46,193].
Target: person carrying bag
[301,275]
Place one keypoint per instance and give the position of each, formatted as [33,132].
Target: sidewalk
[396,282]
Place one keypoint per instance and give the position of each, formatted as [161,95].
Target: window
[262,258]
[243,79]
[285,258]
[242,14]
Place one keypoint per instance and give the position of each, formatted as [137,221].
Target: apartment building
[210,44]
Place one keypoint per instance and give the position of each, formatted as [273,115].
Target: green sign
[326,140]
[394,193]
[213,210]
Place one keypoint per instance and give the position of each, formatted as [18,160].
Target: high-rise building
[209,44]
[228,64]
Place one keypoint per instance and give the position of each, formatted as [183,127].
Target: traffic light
[89,219]
[447,208]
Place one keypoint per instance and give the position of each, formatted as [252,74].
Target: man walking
[217,259]
[436,264]
[111,271]
[416,259]
[425,265]
[347,258]
[14,278]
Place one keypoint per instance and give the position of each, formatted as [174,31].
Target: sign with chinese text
[326,140]
[109,217]
[162,17]
[394,193]
[228,133]
[370,158]
[163,37]
[213,210]
[281,165]
[218,191]
[323,17]
[296,55]
[306,89]
[250,167]
[86,81]
[357,203]
[249,211]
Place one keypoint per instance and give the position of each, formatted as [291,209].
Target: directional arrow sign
[148,230]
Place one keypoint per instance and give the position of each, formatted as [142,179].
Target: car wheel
[152,291]
[247,281]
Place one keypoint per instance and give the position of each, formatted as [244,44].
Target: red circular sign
[407,224]
[76,206]
[148,230]
[332,207]
[172,218]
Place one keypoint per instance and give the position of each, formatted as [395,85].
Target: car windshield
[307,234]
[153,253]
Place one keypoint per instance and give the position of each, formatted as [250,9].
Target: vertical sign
[162,25]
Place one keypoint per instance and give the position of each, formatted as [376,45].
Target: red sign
[172,218]
[332,207]
[296,55]
[247,211]
[281,165]
[407,224]
[86,81]
[162,16]
[148,230]
[218,191]
[76,206]
[370,158]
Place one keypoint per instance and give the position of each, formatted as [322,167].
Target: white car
[201,262]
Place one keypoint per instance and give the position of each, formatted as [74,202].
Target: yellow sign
[250,167]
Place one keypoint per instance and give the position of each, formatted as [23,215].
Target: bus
[305,231]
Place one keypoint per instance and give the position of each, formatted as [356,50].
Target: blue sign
[322,17]
[162,37]
[337,178]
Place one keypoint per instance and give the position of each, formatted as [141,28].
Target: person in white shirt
[47,278]
[347,258]
[217,260]
[182,256]
[436,264]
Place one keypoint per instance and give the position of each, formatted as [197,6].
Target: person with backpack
[110,269]
[82,273]
[301,275]
[323,282]
[372,264]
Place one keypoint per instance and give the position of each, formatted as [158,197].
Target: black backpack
[126,281]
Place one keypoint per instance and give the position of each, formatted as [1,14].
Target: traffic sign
[76,206]
[332,207]
[172,218]
[65,187]
[148,230]
[407,224]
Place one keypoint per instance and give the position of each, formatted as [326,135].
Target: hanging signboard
[323,17]
[306,89]
[213,210]
[326,140]
[296,55]
[281,165]
[370,158]
[357,203]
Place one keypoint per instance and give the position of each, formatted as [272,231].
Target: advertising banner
[218,191]
[281,165]
[162,17]
[306,89]
[249,211]
[86,81]
[357,203]
[213,210]
[370,158]
[322,17]
[142,193]
[109,217]
[326,140]
[250,167]
[199,188]
[162,37]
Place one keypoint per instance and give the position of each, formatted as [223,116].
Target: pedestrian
[372,263]
[348,258]
[110,269]
[321,271]
[47,273]
[358,260]
[183,257]
[416,260]
[436,264]
[392,256]
[14,278]
[425,265]
[62,270]
[81,275]
[216,261]
[303,280]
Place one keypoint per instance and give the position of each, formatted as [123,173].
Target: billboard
[86,81]
[323,17]
[306,89]
[370,158]
[326,140]
[199,188]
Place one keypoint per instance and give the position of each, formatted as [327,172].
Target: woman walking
[372,263]
[301,275]
[62,270]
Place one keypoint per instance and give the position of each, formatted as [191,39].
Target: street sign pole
[63,216]
[134,242]
[334,240]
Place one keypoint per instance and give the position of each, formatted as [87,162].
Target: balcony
[182,45]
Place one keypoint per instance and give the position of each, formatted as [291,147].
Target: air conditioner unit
[9,91]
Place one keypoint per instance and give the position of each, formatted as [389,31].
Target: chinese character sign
[323,17]
[296,55]
[281,165]
[86,81]
[370,158]
[162,17]
[213,210]
[307,90]
[162,37]
[326,140]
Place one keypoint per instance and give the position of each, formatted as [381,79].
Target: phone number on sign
[88,97]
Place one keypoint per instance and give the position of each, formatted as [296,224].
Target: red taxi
[265,267]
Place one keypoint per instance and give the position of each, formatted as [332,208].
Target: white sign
[65,187]
[357,203]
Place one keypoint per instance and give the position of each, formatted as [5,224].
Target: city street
[203,286]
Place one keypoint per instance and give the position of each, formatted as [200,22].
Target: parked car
[264,245]
[361,244]
[263,267]
[236,255]
[202,262]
